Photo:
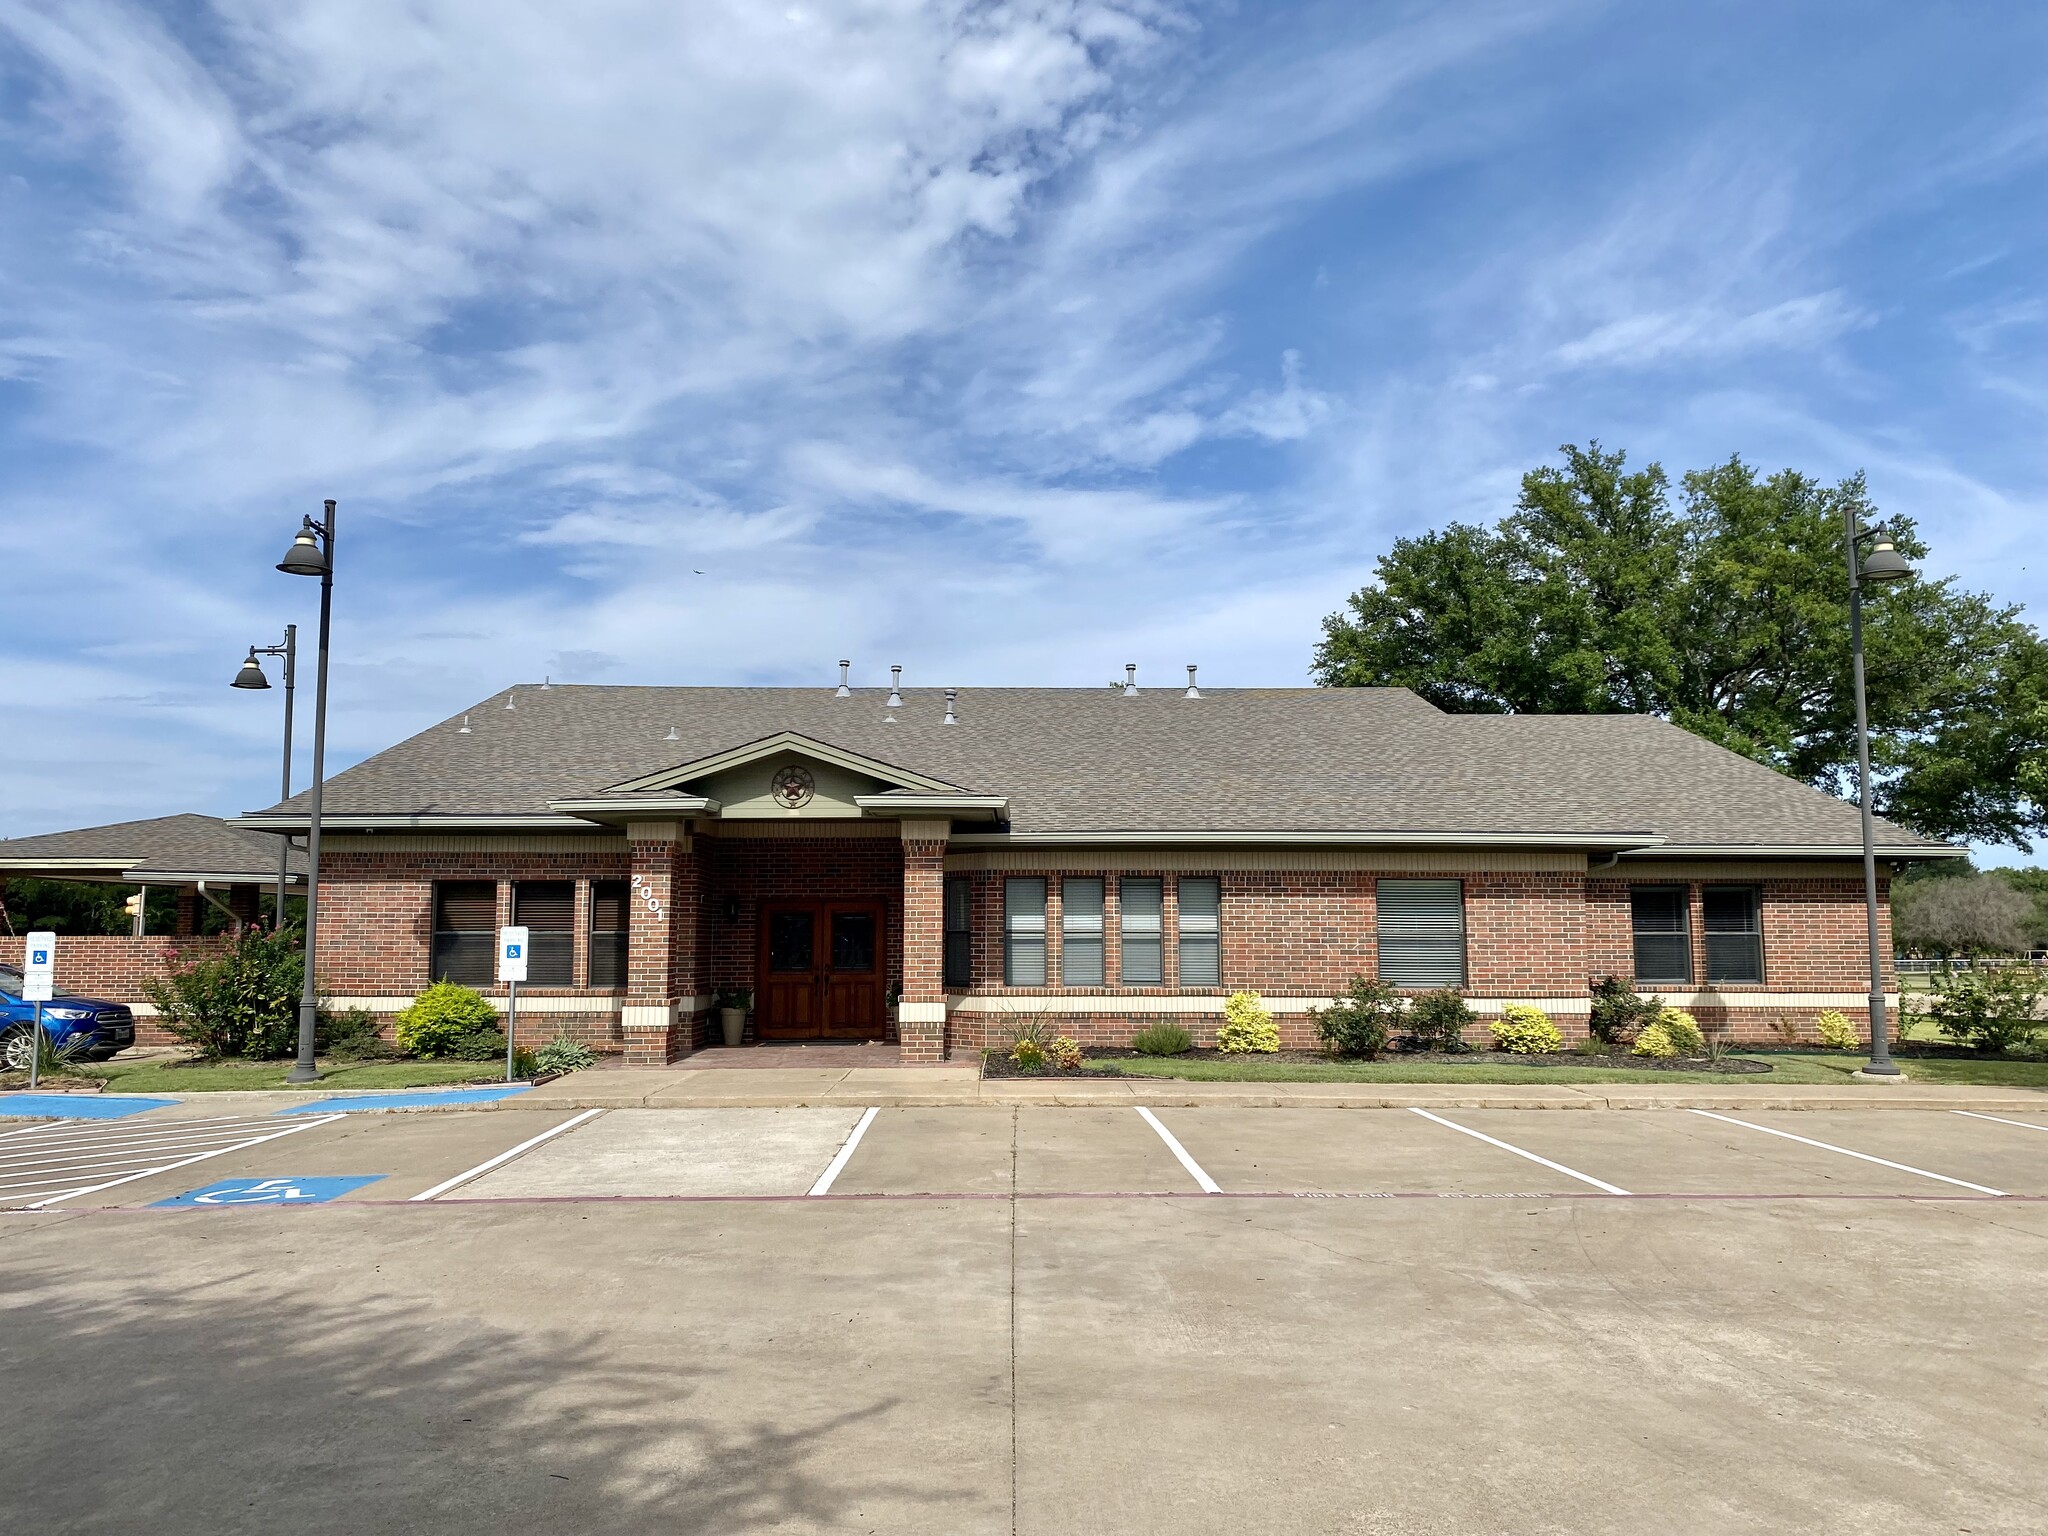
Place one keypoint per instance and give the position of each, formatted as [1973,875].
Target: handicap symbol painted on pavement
[272,1191]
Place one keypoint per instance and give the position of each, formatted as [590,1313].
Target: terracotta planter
[733,1021]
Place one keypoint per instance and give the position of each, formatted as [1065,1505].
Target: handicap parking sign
[277,1191]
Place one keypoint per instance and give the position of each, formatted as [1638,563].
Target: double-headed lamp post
[251,676]
[312,554]
[1882,565]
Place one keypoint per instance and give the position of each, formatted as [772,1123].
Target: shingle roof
[187,846]
[1297,760]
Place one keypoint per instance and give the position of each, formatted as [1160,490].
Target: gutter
[1643,841]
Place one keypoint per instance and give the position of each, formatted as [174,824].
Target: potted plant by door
[733,1003]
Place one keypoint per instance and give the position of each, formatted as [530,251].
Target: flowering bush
[241,1001]
[1525,1030]
[1247,1027]
[1064,1054]
[1836,1032]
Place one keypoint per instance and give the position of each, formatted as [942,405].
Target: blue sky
[1007,342]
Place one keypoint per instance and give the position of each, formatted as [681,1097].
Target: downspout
[226,911]
[1609,862]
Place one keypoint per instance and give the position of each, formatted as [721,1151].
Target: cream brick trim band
[920,1013]
[1149,1003]
[529,1002]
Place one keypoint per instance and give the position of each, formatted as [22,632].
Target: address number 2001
[647,897]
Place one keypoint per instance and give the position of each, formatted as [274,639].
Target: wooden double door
[822,973]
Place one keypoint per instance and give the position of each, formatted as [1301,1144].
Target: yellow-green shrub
[1654,1039]
[1247,1026]
[1684,1031]
[1525,1030]
[1064,1054]
[1836,1032]
[441,1016]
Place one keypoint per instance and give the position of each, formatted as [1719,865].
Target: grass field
[162,1075]
[1789,1068]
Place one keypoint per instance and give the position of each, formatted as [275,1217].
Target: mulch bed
[996,1064]
[50,1082]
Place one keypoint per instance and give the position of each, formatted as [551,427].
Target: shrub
[1993,1011]
[477,1045]
[1836,1032]
[1162,1040]
[351,1035]
[562,1054]
[524,1062]
[1064,1054]
[1362,1021]
[1248,1029]
[243,1001]
[1437,1020]
[1028,1054]
[1682,1030]
[442,1015]
[1618,1013]
[1525,1030]
[1653,1040]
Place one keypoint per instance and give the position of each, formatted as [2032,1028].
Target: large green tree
[1722,607]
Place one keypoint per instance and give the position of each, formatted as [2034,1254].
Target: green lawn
[169,1076]
[1791,1068]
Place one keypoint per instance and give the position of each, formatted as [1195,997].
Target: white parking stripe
[2025,1125]
[43,1154]
[186,1162]
[507,1155]
[1828,1146]
[1201,1176]
[1570,1173]
[106,1131]
[839,1158]
[81,1122]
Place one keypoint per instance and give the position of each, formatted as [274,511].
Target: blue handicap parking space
[76,1106]
[356,1101]
[272,1191]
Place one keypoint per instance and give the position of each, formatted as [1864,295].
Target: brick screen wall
[114,968]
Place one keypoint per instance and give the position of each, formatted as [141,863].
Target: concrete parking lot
[1029,1319]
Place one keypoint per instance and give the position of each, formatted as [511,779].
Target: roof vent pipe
[465,730]
[1130,679]
[895,688]
[951,695]
[1193,692]
[508,702]
[672,736]
[843,691]
[545,682]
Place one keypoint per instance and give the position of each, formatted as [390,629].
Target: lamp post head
[1884,563]
[305,557]
[251,675]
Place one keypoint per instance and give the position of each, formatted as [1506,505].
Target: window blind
[1732,919]
[547,910]
[1081,933]
[959,951]
[609,934]
[1421,932]
[1663,940]
[1024,933]
[465,932]
[1140,902]
[1201,933]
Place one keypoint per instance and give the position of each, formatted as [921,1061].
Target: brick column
[658,1017]
[921,1016]
[242,901]
[186,923]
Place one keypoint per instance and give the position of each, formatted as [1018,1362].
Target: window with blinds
[959,954]
[546,909]
[1139,931]
[1024,933]
[608,933]
[1201,933]
[465,931]
[1422,932]
[1081,933]
[1732,916]
[1663,935]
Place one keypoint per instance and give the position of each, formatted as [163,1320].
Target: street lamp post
[1883,565]
[251,676]
[312,554]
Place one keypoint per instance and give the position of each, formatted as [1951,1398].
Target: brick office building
[932,869]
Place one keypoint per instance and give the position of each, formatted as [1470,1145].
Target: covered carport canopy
[199,855]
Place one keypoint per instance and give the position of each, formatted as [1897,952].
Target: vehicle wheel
[17,1047]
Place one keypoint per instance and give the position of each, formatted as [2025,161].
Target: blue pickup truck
[97,1029]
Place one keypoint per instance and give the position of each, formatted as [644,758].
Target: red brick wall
[113,968]
[748,872]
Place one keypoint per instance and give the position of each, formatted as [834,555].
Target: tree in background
[1726,613]
[1970,914]
[78,906]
